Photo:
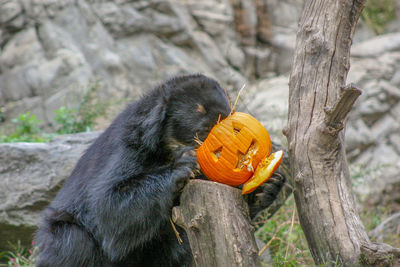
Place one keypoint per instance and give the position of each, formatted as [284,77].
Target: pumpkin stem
[237,98]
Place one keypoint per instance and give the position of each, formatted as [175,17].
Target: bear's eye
[201,109]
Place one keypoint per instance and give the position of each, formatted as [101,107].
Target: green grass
[285,238]
[378,13]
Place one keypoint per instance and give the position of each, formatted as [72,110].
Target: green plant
[27,124]
[377,14]
[19,256]
[285,238]
[91,108]
[2,117]
[26,130]
[82,118]
[66,120]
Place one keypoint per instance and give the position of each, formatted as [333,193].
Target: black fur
[115,207]
[265,194]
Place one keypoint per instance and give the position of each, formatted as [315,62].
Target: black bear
[115,207]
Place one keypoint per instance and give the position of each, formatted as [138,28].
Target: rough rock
[374,123]
[362,32]
[30,176]
[267,100]
[53,46]
[377,46]
[129,46]
[358,137]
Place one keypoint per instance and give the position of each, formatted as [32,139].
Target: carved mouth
[245,160]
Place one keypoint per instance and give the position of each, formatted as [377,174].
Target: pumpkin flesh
[264,170]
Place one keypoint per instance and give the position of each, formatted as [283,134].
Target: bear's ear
[144,126]
[153,125]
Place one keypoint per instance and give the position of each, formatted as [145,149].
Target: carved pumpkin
[233,149]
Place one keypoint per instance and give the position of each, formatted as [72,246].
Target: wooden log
[216,220]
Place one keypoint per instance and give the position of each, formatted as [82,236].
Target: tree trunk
[319,102]
[215,218]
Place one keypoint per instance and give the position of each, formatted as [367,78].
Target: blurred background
[68,67]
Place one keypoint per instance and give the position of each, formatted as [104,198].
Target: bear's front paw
[271,189]
[185,167]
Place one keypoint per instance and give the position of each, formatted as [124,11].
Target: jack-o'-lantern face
[233,149]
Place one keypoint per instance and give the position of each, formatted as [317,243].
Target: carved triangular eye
[217,154]
[236,130]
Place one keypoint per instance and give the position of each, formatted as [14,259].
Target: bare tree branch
[319,103]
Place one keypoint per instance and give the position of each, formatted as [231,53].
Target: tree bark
[319,102]
[216,220]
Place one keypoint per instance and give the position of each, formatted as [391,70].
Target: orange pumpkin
[233,149]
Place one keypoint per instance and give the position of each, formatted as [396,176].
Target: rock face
[267,100]
[30,176]
[372,137]
[52,50]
